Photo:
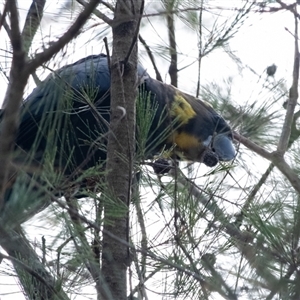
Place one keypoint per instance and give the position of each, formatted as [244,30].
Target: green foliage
[257,121]
[145,112]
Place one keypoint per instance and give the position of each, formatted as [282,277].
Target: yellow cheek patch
[181,109]
[185,141]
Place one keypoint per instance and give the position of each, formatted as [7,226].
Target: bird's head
[202,135]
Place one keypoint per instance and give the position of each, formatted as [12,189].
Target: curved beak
[223,147]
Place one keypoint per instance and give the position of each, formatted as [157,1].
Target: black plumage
[64,121]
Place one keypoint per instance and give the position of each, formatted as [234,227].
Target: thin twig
[275,157]
[291,7]
[200,50]
[252,146]
[125,243]
[84,249]
[107,52]
[295,134]
[292,102]
[97,13]
[136,33]
[151,57]
[32,23]
[173,69]
[70,34]
[144,239]
[3,21]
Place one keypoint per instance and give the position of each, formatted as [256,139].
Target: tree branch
[3,21]
[173,69]
[286,170]
[292,102]
[275,157]
[295,133]
[32,23]
[200,49]
[97,13]
[136,33]
[24,258]
[152,59]
[84,249]
[252,146]
[70,34]
[13,98]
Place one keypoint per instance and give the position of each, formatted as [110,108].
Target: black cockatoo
[64,121]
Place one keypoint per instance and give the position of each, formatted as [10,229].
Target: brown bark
[121,146]
[173,70]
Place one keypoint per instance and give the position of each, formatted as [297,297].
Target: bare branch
[286,170]
[275,157]
[291,7]
[97,13]
[152,59]
[292,102]
[3,21]
[173,69]
[13,97]
[252,146]
[144,240]
[16,40]
[107,50]
[103,17]
[200,50]
[70,34]
[295,133]
[136,33]
[32,23]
